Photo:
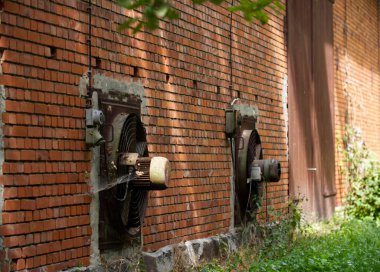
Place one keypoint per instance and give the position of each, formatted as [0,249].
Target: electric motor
[151,173]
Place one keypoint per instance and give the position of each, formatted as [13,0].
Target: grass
[339,245]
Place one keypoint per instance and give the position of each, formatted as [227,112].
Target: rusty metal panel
[300,79]
[311,116]
[324,129]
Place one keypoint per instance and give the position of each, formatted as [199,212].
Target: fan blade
[133,208]
[128,136]
[141,148]
[136,212]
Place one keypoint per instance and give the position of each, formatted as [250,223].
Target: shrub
[362,173]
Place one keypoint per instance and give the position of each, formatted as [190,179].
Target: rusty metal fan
[126,172]
[249,149]
[123,205]
[132,201]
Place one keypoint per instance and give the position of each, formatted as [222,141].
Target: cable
[232,141]
[249,197]
[230,53]
[233,156]
[89,46]
[266,202]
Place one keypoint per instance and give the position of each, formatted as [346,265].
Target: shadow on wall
[179,126]
[184,68]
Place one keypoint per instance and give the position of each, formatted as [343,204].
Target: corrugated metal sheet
[311,117]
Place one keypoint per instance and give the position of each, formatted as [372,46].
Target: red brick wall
[45,217]
[190,120]
[357,74]
[46,203]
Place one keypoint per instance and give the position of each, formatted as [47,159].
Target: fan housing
[251,170]
[127,171]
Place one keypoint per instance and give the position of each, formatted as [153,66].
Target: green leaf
[217,2]
[127,24]
[162,12]
[156,10]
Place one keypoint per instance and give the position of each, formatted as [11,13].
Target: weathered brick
[185,73]
[357,76]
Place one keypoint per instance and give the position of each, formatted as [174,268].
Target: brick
[29,263]
[29,251]
[10,192]
[21,180]
[14,229]
[15,253]
[27,204]
[20,264]
[28,155]
[12,155]
[13,217]
[6,180]
[11,205]
[16,131]
[36,179]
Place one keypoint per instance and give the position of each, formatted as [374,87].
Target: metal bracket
[128,159]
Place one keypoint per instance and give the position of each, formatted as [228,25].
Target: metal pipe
[234,101]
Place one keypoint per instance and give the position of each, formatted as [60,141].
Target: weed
[355,246]
[261,240]
[179,260]
[290,244]
[132,263]
[362,173]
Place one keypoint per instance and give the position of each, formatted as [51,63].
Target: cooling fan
[252,171]
[127,162]
[250,168]
[249,150]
